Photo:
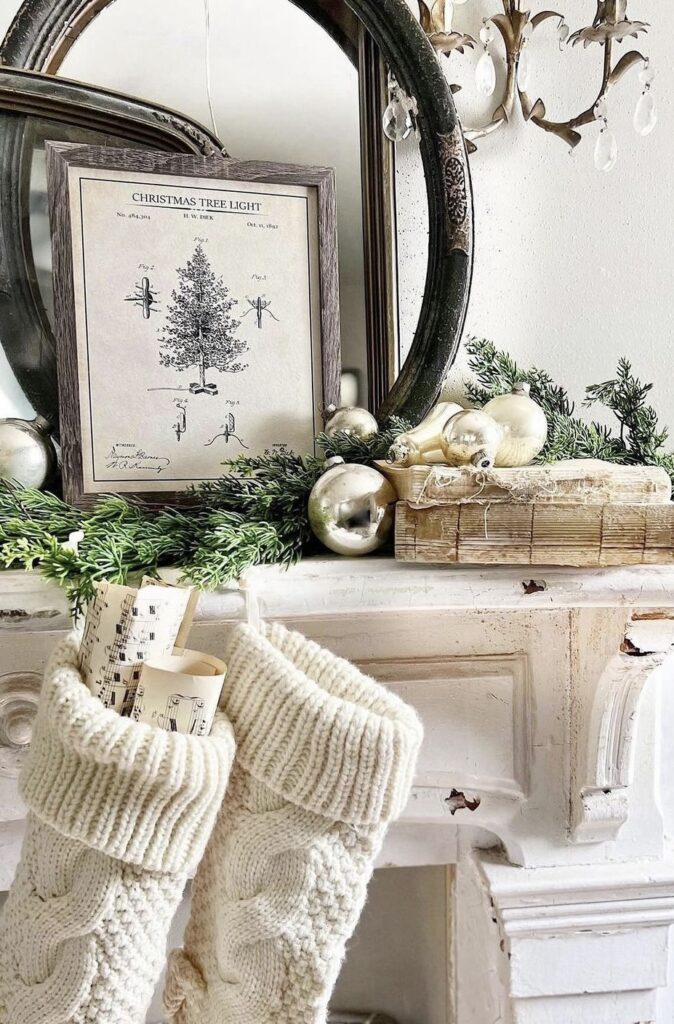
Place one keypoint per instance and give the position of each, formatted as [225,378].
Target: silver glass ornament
[351,508]
[351,420]
[524,426]
[421,446]
[471,438]
[27,452]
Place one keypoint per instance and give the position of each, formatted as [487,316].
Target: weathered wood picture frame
[169,268]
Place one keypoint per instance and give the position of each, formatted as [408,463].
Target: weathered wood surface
[535,533]
[587,481]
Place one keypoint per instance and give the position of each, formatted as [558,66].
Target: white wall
[573,267]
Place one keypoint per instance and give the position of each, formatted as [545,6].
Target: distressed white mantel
[545,776]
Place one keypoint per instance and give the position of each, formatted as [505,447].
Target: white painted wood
[547,711]
[22,655]
[480,707]
[610,675]
[572,943]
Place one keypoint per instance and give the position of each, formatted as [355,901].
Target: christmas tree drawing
[199,329]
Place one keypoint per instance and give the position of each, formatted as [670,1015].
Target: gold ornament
[422,446]
[471,437]
[27,452]
[352,421]
[351,508]
[524,425]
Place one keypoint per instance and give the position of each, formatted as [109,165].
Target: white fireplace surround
[545,780]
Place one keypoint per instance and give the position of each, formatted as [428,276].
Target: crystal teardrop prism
[485,75]
[523,70]
[397,121]
[606,151]
[646,114]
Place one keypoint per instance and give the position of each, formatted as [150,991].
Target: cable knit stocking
[119,812]
[325,759]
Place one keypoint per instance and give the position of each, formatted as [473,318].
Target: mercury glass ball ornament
[524,426]
[353,421]
[471,438]
[351,508]
[27,452]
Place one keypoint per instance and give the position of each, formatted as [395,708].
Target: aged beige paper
[198,324]
[123,628]
[180,692]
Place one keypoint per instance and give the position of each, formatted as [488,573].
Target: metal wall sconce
[516,26]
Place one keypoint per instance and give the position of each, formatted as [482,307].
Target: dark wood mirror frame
[371,32]
[25,330]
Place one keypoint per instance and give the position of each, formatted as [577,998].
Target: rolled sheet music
[124,628]
[180,692]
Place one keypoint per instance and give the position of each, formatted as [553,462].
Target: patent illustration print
[199,325]
[145,297]
[259,306]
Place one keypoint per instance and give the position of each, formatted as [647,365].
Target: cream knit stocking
[118,814]
[325,759]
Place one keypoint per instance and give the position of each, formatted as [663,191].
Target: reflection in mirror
[37,132]
[275,87]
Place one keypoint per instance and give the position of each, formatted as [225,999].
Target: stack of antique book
[577,513]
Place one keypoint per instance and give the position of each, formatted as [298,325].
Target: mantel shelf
[330,585]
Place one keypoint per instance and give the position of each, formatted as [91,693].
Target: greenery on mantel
[257,514]
[639,440]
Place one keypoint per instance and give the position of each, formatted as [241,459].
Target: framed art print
[197,315]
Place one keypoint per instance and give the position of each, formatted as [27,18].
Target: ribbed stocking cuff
[316,730]
[130,790]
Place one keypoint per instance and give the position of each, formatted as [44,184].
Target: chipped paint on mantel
[547,700]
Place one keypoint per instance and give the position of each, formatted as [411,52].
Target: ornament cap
[334,460]
[42,424]
[522,388]
[483,460]
[398,453]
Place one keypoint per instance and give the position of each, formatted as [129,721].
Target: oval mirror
[301,82]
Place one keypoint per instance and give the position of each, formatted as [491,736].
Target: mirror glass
[269,81]
[38,131]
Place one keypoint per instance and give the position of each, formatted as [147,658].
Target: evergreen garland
[640,438]
[257,514]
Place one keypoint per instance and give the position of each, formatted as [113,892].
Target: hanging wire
[208,51]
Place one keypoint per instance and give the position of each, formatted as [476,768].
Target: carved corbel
[613,665]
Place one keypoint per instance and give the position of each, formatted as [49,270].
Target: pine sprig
[497,373]
[353,449]
[640,439]
[626,397]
